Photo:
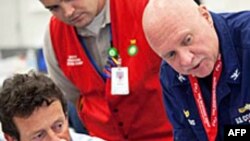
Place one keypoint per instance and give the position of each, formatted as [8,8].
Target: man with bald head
[205,72]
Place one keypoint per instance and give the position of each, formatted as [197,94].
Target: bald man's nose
[186,58]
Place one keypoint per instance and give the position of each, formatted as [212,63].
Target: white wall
[8,26]
[227,5]
[23,23]
[34,21]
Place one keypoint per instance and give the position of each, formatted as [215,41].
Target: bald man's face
[188,43]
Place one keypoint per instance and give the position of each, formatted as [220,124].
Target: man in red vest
[97,54]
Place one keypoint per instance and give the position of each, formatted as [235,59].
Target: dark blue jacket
[233,90]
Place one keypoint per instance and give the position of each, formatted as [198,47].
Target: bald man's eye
[170,55]
[188,40]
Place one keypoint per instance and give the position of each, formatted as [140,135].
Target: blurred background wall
[22,27]
[23,23]
[227,5]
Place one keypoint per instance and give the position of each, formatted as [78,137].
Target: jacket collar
[231,65]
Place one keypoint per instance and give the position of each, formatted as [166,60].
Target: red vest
[139,116]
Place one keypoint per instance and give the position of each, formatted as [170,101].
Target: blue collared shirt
[233,90]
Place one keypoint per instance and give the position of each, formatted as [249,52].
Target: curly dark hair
[22,94]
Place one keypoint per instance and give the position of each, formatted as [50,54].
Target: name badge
[119,81]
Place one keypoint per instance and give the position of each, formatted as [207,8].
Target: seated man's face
[47,123]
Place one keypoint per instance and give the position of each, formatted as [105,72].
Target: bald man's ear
[9,138]
[205,14]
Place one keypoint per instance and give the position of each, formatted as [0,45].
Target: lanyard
[209,125]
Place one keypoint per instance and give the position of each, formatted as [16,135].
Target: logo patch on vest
[73,60]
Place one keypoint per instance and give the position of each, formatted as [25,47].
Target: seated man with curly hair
[32,108]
